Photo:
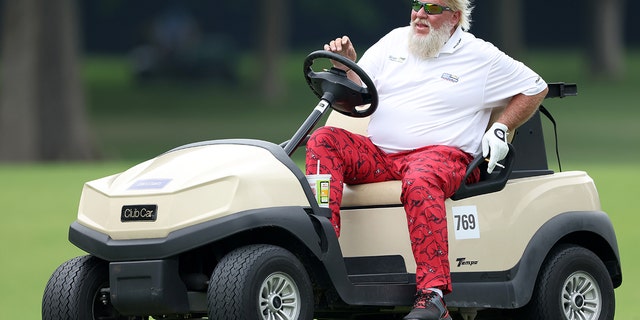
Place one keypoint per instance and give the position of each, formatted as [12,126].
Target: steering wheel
[342,94]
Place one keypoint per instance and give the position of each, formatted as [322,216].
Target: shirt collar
[454,43]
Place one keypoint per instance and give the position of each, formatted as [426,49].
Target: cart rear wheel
[74,292]
[573,284]
[260,282]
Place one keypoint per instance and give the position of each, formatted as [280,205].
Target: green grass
[131,122]
[38,203]
[617,187]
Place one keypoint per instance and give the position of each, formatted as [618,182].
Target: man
[437,86]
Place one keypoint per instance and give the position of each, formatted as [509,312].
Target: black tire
[260,282]
[573,284]
[74,292]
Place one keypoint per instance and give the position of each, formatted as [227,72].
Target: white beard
[428,46]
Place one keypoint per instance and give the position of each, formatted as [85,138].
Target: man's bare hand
[344,47]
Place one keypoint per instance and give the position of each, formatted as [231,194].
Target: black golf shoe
[428,306]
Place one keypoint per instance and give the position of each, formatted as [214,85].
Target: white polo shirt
[446,100]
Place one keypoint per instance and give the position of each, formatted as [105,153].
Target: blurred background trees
[606,38]
[274,31]
[43,107]
[42,111]
[598,23]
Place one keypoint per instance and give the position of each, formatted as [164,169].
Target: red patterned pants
[429,176]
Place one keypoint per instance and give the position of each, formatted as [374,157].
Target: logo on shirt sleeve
[450,77]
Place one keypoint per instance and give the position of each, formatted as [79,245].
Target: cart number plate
[139,213]
[465,222]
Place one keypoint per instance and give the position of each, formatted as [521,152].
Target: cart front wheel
[260,282]
[75,292]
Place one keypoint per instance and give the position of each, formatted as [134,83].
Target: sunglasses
[429,8]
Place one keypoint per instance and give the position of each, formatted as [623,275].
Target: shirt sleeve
[509,77]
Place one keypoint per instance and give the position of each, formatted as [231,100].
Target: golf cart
[231,229]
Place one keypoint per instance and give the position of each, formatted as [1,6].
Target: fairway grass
[617,187]
[38,202]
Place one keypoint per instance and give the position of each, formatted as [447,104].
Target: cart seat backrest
[351,124]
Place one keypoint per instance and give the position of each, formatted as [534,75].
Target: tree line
[42,107]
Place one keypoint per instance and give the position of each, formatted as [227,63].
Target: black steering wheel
[342,94]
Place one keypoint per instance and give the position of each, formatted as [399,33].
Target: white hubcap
[581,297]
[279,298]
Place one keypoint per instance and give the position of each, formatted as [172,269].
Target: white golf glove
[494,144]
